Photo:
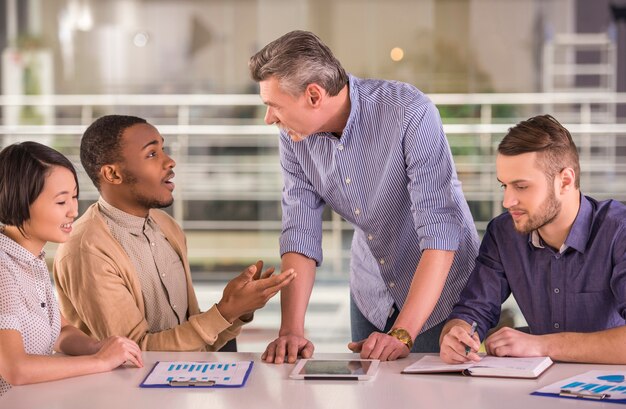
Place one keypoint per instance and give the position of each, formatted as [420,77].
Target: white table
[269,387]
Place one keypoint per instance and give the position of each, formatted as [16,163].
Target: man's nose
[270,118]
[509,199]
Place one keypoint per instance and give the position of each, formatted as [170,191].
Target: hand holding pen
[459,342]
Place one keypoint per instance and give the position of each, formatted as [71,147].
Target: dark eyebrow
[514,181]
[152,142]
[64,192]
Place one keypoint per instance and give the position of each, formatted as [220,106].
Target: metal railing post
[179,154]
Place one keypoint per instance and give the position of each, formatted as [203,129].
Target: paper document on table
[198,374]
[489,365]
[607,386]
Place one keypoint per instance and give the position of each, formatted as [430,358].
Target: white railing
[228,176]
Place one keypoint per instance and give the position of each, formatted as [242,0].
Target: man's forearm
[294,298]
[428,281]
[602,347]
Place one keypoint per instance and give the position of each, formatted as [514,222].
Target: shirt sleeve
[9,300]
[486,289]
[94,295]
[302,208]
[431,174]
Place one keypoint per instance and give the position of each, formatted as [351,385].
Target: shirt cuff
[10,322]
[306,245]
[209,325]
[440,237]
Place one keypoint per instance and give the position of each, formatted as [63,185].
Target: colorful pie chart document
[167,374]
[604,386]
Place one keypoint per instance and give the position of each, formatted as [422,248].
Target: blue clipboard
[597,385]
[198,374]
[574,395]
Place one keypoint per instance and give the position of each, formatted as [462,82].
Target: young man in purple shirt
[561,254]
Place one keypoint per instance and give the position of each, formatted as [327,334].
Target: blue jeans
[361,328]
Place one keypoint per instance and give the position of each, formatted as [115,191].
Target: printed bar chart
[198,374]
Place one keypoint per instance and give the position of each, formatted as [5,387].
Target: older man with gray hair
[376,153]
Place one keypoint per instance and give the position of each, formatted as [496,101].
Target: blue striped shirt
[390,175]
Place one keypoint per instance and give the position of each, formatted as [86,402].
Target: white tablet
[335,369]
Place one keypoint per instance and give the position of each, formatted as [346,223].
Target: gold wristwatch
[403,336]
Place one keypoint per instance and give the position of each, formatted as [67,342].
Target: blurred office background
[182,64]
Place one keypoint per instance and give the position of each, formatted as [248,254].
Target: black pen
[471,334]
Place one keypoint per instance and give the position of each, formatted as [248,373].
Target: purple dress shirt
[581,288]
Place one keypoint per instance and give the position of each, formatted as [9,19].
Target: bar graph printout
[603,386]
[198,373]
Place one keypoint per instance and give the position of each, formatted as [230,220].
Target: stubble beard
[548,211]
[141,199]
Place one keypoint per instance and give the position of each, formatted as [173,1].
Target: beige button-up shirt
[159,268]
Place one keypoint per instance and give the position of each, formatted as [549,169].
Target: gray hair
[297,59]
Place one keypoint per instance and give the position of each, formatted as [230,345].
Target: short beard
[145,202]
[149,203]
[548,211]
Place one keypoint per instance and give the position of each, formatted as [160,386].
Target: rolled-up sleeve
[430,170]
[302,209]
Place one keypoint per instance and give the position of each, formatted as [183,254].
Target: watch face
[403,336]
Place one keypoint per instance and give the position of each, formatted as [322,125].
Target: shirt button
[370,237]
[556,291]
[556,325]
[381,261]
[348,180]
[357,211]
[163,275]
[392,284]
[174,306]
[340,147]
[153,244]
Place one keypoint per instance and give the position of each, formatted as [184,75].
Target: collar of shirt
[134,224]
[355,108]
[578,234]
[16,251]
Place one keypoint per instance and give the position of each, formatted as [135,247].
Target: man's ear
[314,94]
[568,180]
[111,174]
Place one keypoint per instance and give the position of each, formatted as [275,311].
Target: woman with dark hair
[38,203]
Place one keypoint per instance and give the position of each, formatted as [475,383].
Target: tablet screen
[322,367]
